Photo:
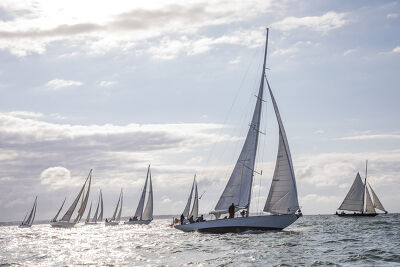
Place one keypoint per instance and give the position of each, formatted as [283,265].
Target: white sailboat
[194,213]
[358,200]
[144,216]
[96,217]
[27,222]
[282,202]
[65,222]
[114,220]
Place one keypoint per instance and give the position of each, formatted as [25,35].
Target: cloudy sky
[122,84]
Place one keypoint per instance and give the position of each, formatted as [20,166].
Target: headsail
[94,219]
[369,206]
[62,205]
[187,208]
[354,199]
[377,203]
[101,208]
[68,214]
[238,189]
[148,211]
[195,208]
[282,197]
[34,213]
[140,206]
[88,215]
[116,207]
[31,214]
[84,203]
[120,207]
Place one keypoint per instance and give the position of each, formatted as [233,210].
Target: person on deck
[182,218]
[232,211]
[191,219]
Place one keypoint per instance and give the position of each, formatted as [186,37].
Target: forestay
[282,197]
[354,199]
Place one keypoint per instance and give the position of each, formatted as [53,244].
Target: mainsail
[140,206]
[31,216]
[195,208]
[62,205]
[88,215]
[68,214]
[84,203]
[238,188]
[282,197]
[94,219]
[101,208]
[187,208]
[369,206]
[116,207]
[148,211]
[354,199]
[377,203]
[120,207]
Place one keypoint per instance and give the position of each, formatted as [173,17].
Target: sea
[317,240]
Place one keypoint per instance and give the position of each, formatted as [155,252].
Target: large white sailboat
[65,222]
[114,220]
[358,200]
[144,216]
[96,217]
[27,222]
[282,202]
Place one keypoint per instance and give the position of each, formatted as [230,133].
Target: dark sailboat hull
[357,214]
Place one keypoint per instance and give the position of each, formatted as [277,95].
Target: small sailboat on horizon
[27,222]
[65,222]
[114,220]
[358,200]
[144,215]
[282,202]
[96,218]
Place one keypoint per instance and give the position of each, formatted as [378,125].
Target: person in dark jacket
[182,218]
[232,211]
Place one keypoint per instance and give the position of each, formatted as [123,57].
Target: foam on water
[311,241]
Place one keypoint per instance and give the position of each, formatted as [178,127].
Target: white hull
[61,224]
[111,223]
[138,222]
[236,225]
[24,225]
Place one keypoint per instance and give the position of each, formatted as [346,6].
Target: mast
[365,183]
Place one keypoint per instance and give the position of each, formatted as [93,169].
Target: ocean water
[311,241]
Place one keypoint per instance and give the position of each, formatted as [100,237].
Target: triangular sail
[34,213]
[68,214]
[369,206]
[120,207]
[195,208]
[354,199]
[282,197]
[187,208]
[238,188]
[139,209]
[101,208]
[31,213]
[84,203]
[148,211]
[62,205]
[377,203]
[88,215]
[23,221]
[94,219]
[116,208]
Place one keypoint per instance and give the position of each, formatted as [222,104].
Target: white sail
[187,208]
[23,221]
[139,209]
[31,214]
[377,203]
[354,199]
[369,206]
[120,207]
[94,219]
[238,188]
[101,208]
[195,208]
[68,214]
[84,203]
[148,211]
[62,205]
[282,197]
[116,208]
[34,213]
[88,215]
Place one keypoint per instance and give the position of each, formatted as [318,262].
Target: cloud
[392,16]
[24,114]
[56,177]
[107,83]
[319,132]
[292,49]
[60,83]
[327,22]
[348,52]
[396,49]
[235,61]
[371,137]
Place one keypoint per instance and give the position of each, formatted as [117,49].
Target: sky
[119,85]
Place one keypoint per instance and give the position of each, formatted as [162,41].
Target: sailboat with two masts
[282,202]
[65,222]
[358,200]
[27,222]
[144,216]
[96,217]
[114,220]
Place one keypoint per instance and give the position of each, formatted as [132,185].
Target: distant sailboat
[194,213]
[65,222]
[144,216]
[27,222]
[114,220]
[96,218]
[358,200]
[282,201]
